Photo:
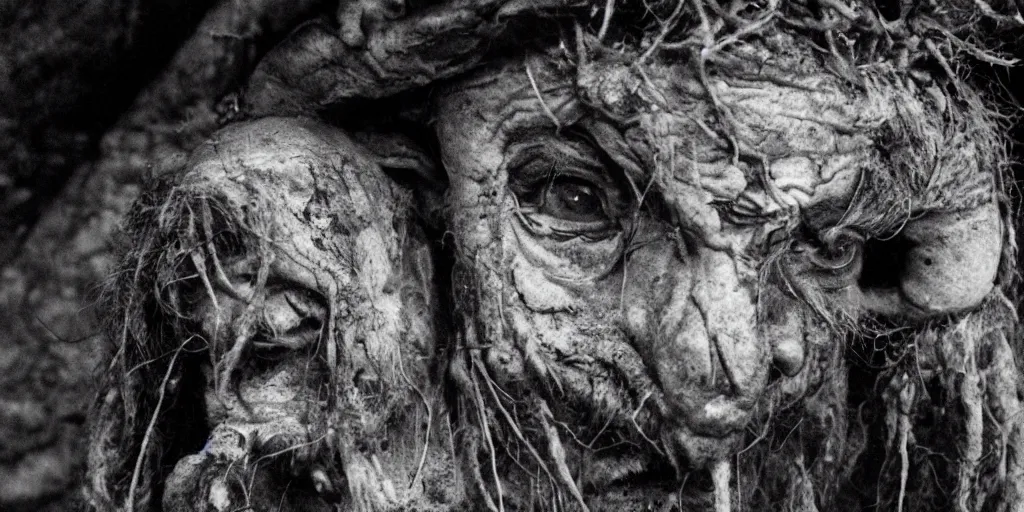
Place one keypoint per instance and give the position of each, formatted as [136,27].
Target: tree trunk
[80,129]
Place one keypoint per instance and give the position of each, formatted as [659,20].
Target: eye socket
[835,262]
[565,188]
[573,199]
[291,324]
[838,257]
[293,318]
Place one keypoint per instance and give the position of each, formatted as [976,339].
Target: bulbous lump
[950,266]
[724,271]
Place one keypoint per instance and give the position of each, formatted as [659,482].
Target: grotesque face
[298,279]
[665,256]
[652,251]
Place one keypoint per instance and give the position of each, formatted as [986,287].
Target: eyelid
[546,225]
[533,162]
[294,318]
[535,175]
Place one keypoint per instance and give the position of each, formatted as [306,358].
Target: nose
[725,298]
[788,356]
[699,336]
[782,326]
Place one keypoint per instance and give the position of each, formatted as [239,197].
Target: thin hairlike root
[197,261]
[540,97]
[557,453]
[971,397]
[843,10]
[988,11]
[243,330]
[934,51]
[481,411]
[609,8]
[512,424]
[219,274]
[721,472]
[636,413]
[670,24]
[331,351]
[906,402]
[137,472]
[430,424]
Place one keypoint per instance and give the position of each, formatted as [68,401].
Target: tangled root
[901,417]
[176,238]
[957,398]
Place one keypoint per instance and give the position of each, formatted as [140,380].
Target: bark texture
[97,96]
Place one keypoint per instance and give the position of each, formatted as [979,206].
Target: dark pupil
[578,198]
[575,200]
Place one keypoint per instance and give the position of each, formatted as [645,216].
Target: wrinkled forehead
[767,139]
[320,198]
[305,165]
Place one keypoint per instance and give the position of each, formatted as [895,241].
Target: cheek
[575,346]
[555,275]
[553,310]
[289,393]
[653,272]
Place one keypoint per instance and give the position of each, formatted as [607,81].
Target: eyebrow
[524,110]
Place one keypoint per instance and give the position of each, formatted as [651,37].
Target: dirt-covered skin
[748,257]
[305,309]
[635,261]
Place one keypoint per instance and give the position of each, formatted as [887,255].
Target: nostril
[884,264]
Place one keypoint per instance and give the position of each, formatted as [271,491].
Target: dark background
[94,96]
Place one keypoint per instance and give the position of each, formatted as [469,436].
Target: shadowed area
[670,255]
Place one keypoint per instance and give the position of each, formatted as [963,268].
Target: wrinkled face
[647,263]
[319,315]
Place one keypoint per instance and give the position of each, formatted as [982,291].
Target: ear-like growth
[949,263]
[940,248]
[920,232]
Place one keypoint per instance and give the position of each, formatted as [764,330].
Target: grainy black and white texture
[510,255]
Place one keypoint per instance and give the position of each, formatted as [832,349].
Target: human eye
[564,189]
[574,200]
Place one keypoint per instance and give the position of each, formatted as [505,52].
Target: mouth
[670,471]
[648,482]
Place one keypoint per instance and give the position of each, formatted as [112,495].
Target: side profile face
[298,286]
[321,339]
[648,258]
[679,278]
